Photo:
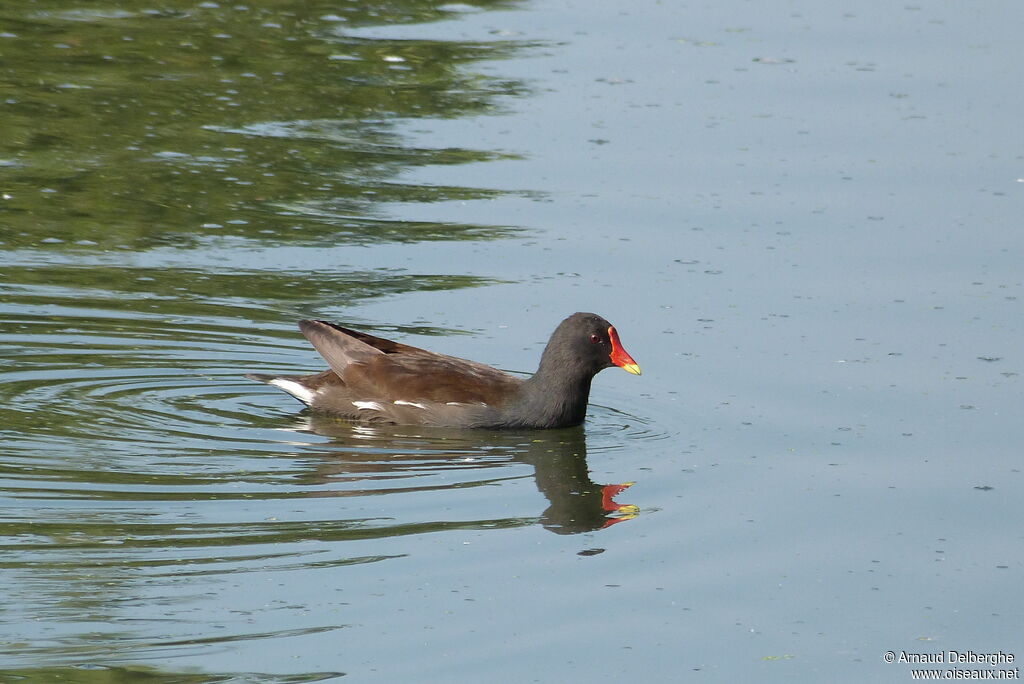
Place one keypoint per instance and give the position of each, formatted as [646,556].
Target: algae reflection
[280,124]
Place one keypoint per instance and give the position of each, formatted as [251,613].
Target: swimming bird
[372,379]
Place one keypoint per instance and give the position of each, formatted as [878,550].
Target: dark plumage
[373,379]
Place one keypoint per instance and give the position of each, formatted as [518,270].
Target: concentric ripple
[129,384]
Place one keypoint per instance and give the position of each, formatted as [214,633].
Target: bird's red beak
[619,356]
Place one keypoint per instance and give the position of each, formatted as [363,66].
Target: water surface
[803,220]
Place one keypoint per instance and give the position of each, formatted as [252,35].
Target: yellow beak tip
[632,368]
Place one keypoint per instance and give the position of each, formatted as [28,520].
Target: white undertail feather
[303,394]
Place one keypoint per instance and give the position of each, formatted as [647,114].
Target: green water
[137,128]
[150,155]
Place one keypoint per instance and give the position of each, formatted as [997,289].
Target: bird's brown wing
[375,368]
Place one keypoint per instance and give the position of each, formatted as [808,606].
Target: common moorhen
[377,380]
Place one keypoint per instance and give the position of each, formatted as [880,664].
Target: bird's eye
[595,338]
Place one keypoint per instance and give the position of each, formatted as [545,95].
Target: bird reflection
[577,503]
[363,453]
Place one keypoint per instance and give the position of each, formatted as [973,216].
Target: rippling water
[142,469]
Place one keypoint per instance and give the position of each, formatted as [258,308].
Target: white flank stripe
[371,405]
[400,402]
[303,394]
